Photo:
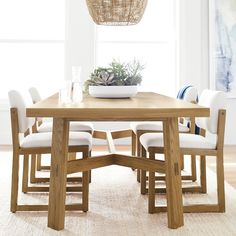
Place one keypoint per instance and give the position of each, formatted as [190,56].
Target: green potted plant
[117,80]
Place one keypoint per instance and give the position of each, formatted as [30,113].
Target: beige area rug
[115,208]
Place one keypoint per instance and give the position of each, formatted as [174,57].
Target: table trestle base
[115,159]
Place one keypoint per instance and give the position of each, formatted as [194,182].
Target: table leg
[57,191]
[173,174]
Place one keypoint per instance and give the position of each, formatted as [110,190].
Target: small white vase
[113,91]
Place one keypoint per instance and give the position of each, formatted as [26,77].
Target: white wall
[193,43]
[230,132]
[79,40]
[5,125]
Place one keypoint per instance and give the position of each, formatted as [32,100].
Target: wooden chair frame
[192,177]
[36,160]
[36,165]
[17,151]
[136,148]
[218,153]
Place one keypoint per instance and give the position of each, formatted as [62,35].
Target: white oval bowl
[113,91]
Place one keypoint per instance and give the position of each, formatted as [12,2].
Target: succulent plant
[117,74]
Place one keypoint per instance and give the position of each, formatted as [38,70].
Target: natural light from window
[31,45]
[152,42]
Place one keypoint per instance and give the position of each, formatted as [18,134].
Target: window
[31,45]
[152,41]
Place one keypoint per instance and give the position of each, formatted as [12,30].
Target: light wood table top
[144,106]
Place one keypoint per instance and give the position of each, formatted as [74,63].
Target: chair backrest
[16,101]
[191,95]
[215,100]
[188,93]
[35,96]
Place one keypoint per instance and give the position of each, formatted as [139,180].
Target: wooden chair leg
[14,182]
[85,185]
[200,189]
[71,156]
[203,174]
[39,167]
[133,144]
[34,179]
[143,180]
[138,175]
[151,188]
[33,169]
[90,176]
[25,173]
[90,172]
[138,145]
[182,162]
[39,162]
[193,168]
[220,181]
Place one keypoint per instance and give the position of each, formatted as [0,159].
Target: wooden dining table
[145,106]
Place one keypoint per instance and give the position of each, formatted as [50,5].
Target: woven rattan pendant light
[116,12]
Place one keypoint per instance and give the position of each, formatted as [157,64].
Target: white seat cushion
[155,126]
[186,141]
[45,140]
[74,126]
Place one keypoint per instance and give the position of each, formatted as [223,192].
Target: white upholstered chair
[186,93]
[43,126]
[39,143]
[47,125]
[198,145]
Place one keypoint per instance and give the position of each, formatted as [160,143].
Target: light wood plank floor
[229,160]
